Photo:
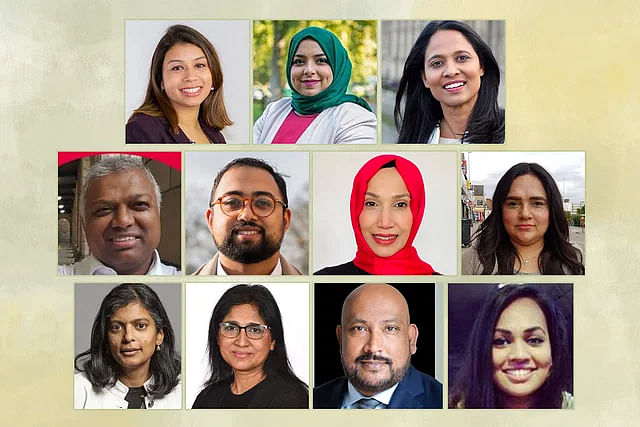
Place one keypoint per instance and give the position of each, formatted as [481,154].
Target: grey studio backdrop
[89,296]
[231,42]
[200,170]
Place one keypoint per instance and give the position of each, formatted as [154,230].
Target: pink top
[292,127]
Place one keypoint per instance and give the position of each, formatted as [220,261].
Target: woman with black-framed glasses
[248,356]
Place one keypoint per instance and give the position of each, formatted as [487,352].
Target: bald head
[376,296]
[376,338]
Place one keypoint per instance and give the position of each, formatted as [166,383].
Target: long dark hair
[422,112]
[474,387]
[102,370]
[493,243]
[157,104]
[257,295]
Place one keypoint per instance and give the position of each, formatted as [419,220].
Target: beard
[369,387]
[250,252]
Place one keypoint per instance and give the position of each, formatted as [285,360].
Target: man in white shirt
[248,215]
[120,210]
[377,340]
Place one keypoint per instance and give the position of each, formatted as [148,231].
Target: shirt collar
[121,390]
[353,395]
[94,267]
[277,271]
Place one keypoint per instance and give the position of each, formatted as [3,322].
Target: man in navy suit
[376,343]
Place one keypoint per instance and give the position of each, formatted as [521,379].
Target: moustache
[374,358]
[241,224]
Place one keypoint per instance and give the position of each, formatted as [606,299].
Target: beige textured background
[572,84]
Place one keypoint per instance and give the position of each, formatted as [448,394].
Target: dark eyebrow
[254,194]
[182,60]
[397,196]
[131,321]
[315,56]
[439,55]
[530,198]
[528,330]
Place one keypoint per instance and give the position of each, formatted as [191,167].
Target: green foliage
[271,41]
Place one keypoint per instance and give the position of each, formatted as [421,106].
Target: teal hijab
[340,65]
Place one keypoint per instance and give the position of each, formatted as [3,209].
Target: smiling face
[452,70]
[123,221]
[247,238]
[525,212]
[241,353]
[133,337]
[376,338]
[386,218]
[521,352]
[186,77]
[310,69]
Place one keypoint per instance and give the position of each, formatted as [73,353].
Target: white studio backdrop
[333,239]
[230,40]
[201,298]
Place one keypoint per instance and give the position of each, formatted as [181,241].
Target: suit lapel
[407,391]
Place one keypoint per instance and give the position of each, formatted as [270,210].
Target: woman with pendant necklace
[248,356]
[526,232]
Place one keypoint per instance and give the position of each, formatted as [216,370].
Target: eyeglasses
[254,331]
[262,206]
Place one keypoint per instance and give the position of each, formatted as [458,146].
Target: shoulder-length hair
[422,112]
[157,104]
[474,387]
[102,370]
[259,296]
[493,243]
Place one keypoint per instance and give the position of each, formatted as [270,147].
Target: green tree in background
[271,41]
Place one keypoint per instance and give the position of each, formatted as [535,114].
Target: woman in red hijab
[387,205]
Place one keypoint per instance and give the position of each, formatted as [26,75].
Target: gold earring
[157,347]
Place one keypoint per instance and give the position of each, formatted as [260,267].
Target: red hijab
[406,260]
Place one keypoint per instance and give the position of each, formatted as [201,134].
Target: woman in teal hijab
[319,110]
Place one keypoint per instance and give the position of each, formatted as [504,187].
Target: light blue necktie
[368,403]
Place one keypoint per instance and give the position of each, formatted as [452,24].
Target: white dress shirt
[91,266]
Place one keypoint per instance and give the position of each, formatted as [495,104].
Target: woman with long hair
[526,232]
[448,92]
[319,110]
[184,101]
[518,355]
[131,362]
[248,356]
[387,206]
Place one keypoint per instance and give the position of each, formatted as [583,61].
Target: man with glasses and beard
[248,215]
[376,343]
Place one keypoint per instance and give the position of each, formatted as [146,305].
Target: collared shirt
[353,395]
[277,271]
[91,266]
[88,397]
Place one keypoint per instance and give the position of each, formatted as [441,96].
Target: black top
[273,392]
[346,269]
[145,129]
[135,397]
